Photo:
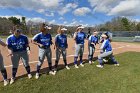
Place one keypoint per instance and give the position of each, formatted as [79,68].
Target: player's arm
[34,41]
[2,43]
[66,43]
[103,46]
[55,44]
[75,35]
[27,45]
[90,41]
[9,46]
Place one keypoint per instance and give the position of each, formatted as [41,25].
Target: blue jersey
[80,38]
[45,40]
[93,39]
[17,44]
[106,45]
[61,41]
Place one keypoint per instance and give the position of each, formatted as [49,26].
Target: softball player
[61,46]
[107,48]
[101,41]
[43,40]
[18,47]
[2,68]
[93,40]
[79,38]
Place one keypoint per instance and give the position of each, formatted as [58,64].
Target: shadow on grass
[61,67]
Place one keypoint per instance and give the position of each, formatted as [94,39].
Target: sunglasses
[18,30]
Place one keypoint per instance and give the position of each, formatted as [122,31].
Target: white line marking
[32,62]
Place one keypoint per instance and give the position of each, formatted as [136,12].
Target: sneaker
[12,80]
[99,66]
[52,73]
[29,76]
[105,60]
[76,66]
[55,71]
[81,65]
[6,82]
[67,67]
[116,64]
[90,62]
[37,75]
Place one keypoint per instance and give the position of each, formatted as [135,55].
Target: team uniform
[2,68]
[18,46]
[45,50]
[61,46]
[106,46]
[102,40]
[91,47]
[79,46]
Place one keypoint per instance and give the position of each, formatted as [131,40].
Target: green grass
[110,79]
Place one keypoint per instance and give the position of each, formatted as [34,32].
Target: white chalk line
[32,62]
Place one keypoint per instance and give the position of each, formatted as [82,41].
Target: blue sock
[28,69]
[100,61]
[56,63]
[50,66]
[81,59]
[113,60]
[65,62]
[14,72]
[75,60]
[4,74]
[38,69]
[90,58]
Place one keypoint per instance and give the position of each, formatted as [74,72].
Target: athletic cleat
[29,76]
[52,73]
[67,67]
[76,66]
[12,80]
[55,71]
[6,82]
[105,60]
[81,65]
[99,66]
[90,62]
[37,75]
[116,64]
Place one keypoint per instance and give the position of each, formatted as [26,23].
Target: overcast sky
[71,12]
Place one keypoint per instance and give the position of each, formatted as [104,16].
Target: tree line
[31,28]
[119,24]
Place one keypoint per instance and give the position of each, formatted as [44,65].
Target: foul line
[32,62]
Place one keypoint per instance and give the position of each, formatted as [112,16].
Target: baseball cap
[80,27]
[18,30]
[64,29]
[48,27]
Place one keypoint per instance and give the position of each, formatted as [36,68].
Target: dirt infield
[118,47]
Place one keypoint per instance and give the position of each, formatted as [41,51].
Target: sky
[71,12]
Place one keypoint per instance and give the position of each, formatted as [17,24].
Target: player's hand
[40,45]
[10,55]
[29,52]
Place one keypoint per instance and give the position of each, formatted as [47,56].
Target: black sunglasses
[18,30]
